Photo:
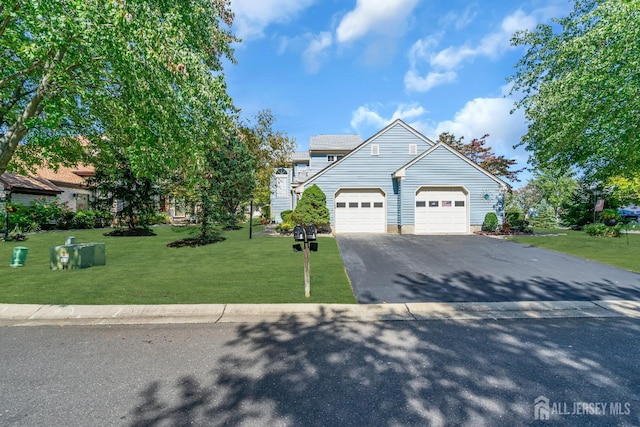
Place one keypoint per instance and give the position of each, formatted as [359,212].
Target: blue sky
[353,66]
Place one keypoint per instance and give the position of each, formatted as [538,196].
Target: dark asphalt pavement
[289,373]
[470,268]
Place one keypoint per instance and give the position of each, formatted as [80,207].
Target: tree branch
[19,74]
[5,21]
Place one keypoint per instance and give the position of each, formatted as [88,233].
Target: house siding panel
[444,168]
[362,170]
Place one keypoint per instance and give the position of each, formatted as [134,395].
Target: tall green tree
[65,64]
[479,153]
[270,148]
[556,188]
[227,180]
[579,86]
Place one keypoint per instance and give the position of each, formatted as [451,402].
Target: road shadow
[435,373]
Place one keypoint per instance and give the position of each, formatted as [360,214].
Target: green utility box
[79,255]
[19,256]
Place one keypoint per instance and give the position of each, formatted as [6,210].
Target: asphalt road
[409,268]
[289,373]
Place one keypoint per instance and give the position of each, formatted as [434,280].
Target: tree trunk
[11,138]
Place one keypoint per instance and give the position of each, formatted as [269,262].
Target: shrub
[312,208]
[544,217]
[490,223]
[285,227]
[516,220]
[286,215]
[602,230]
[83,219]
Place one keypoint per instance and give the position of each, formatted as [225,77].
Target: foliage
[602,230]
[516,219]
[285,227]
[555,187]
[577,84]
[286,215]
[270,149]
[266,212]
[625,190]
[116,184]
[544,217]
[226,180]
[43,215]
[483,156]
[607,214]
[490,223]
[312,208]
[70,67]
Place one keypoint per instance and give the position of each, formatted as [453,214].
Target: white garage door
[441,211]
[360,211]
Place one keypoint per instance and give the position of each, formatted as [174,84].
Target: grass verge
[607,250]
[143,270]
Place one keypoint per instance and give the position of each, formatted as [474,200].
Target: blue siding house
[398,181]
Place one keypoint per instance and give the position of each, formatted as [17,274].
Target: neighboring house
[25,190]
[398,181]
[72,181]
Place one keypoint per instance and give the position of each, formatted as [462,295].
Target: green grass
[607,250]
[143,270]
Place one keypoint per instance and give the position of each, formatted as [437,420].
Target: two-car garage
[438,210]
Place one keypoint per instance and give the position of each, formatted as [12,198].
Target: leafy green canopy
[579,83]
[86,67]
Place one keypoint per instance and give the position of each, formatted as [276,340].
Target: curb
[37,315]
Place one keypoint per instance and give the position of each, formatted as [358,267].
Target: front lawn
[143,270]
[607,250]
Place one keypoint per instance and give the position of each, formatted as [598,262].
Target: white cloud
[253,16]
[492,46]
[374,16]
[491,116]
[316,50]
[417,83]
[365,119]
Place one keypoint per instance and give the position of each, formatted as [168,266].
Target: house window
[413,149]
[353,204]
[421,204]
[365,204]
[433,203]
[459,203]
[341,205]
[339,156]
[377,204]
[331,158]
[375,150]
[446,203]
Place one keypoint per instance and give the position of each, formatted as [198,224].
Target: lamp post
[250,217]
[6,194]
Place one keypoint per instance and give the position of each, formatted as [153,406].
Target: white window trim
[331,158]
[375,150]
[413,149]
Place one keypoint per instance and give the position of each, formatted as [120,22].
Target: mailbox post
[307,235]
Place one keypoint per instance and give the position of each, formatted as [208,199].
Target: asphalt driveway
[406,268]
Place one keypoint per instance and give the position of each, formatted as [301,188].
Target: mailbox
[311,232]
[298,233]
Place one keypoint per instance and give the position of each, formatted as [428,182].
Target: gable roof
[362,145]
[400,173]
[334,142]
[299,156]
[26,184]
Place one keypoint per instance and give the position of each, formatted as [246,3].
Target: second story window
[331,158]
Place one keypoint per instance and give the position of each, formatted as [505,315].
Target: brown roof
[26,184]
[65,175]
